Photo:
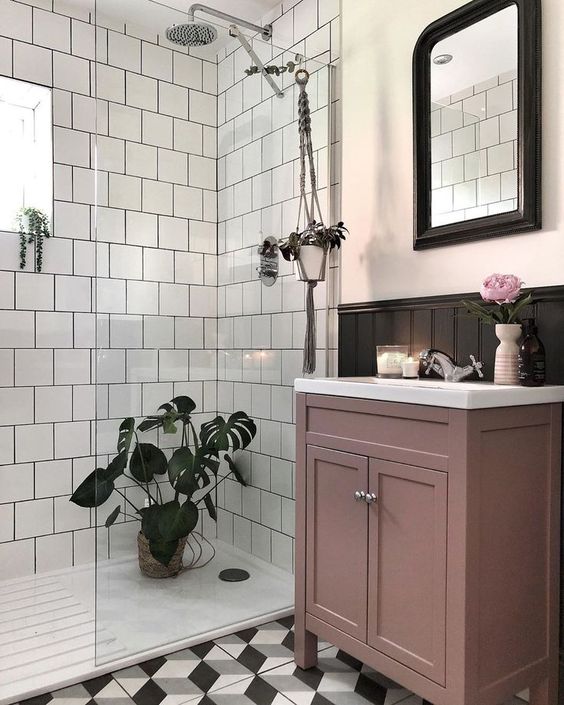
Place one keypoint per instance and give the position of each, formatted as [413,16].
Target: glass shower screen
[196,163]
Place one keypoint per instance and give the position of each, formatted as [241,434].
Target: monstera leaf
[178,409]
[117,466]
[146,462]
[184,405]
[177,520]
[94,490]
[150,522]
[208,501]
[169,422]
[112,518]
[99,485]
[125,436]
[206,459]
[182,459]
[186,469]
[182,472]
[150,423]
[235,470]
[236,433]
[166,421]
[207,498]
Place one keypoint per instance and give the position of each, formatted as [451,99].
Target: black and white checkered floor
[254,666]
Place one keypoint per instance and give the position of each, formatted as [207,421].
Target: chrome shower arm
[265,31]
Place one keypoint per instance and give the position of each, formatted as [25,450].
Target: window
[26,174]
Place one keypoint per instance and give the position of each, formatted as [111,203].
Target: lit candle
[410,368]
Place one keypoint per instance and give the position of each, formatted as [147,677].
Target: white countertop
[432,392]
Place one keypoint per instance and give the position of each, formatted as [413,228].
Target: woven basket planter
[151,567]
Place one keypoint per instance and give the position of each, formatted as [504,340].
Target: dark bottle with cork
[532,358]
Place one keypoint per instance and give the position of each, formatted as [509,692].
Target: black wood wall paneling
[440,322]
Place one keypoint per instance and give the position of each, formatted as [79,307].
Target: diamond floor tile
[251,691]
[251,667]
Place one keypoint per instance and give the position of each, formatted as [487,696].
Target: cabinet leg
[544,693]
[305,648]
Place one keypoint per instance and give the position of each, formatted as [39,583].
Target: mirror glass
[474,111]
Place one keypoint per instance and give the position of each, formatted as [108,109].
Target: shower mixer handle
[268,268]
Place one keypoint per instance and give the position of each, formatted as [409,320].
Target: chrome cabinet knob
[371,498]
[359,496]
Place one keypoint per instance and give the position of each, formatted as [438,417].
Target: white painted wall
[379,261]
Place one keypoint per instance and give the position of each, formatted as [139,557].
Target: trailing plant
[317,234]
[33,226]
[192,472]
[272,70]
[503,293]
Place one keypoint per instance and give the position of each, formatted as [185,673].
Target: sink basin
[430,383]
[432,392]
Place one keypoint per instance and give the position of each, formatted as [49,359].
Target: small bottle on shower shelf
[532,358]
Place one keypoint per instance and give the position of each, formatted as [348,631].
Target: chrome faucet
[443,365]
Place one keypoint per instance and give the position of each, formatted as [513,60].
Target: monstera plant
[192,472]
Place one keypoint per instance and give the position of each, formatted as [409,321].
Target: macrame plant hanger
[309,211]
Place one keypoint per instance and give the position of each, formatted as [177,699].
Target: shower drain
[234,575]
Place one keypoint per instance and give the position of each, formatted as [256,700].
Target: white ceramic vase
[507,353]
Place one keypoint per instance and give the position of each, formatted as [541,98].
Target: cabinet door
[337,539]
[407,566]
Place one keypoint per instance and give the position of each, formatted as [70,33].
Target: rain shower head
[192,34]
[198,34]
[195,33]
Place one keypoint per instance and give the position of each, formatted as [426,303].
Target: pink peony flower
[501,288]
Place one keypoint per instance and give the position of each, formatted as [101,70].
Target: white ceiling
[481,51]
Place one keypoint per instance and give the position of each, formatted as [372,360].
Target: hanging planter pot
[311,264]
[309,248]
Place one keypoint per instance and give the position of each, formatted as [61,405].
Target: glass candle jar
[410,368]
[390,359]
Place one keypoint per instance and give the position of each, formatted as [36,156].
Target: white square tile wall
[474,152]
[153,293]
[196,163]
[261,330]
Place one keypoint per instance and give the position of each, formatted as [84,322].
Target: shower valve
[268,267]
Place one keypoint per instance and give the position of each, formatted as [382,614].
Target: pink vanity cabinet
[428,544]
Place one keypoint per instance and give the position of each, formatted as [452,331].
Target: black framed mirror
[477,123]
